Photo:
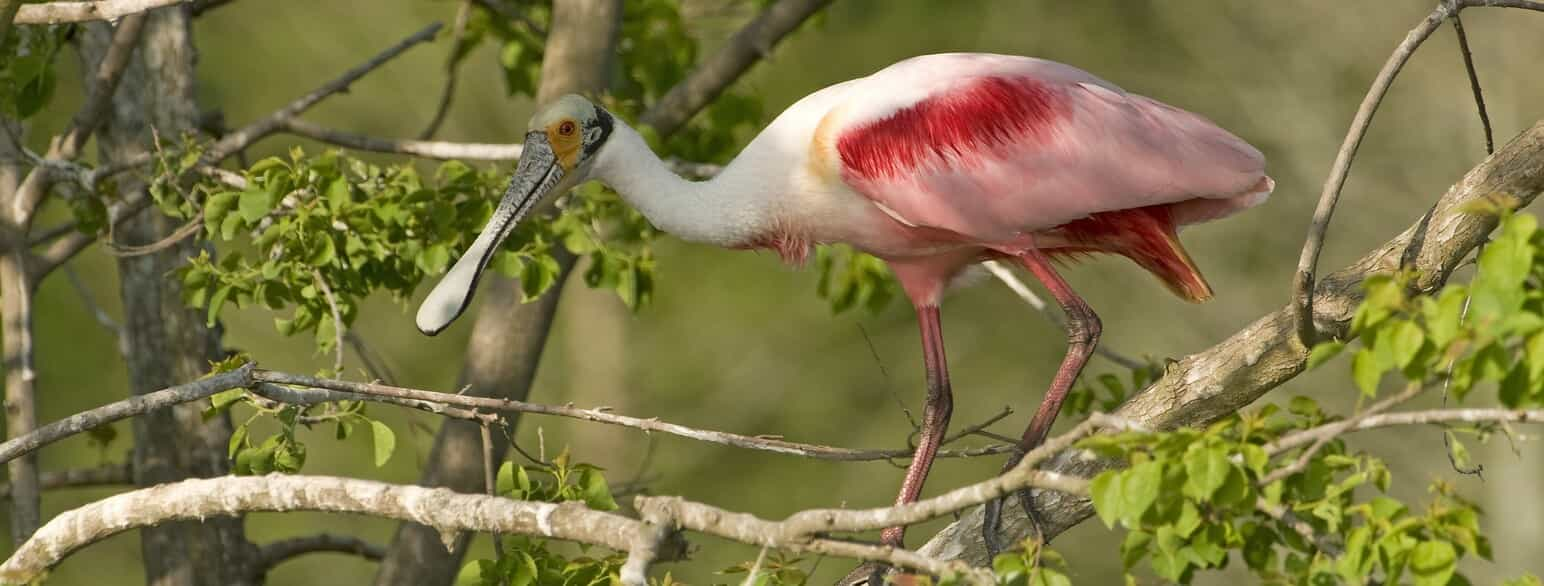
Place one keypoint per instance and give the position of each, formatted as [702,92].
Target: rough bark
[508,336]
[16,289]
[167,342]
[1215,383]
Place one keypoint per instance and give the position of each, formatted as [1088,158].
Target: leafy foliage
[27,76]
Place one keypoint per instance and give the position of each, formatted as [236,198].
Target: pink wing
[993,146]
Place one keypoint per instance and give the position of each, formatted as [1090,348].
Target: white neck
[728,210]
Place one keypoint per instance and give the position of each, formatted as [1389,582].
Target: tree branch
[200,498]
[137,405]
[1308,261]
[61,12]
[1217,382]
[452,68]
[419,148]
[284,550]
[271,123]
[718,72]
[371,391]
[107,475]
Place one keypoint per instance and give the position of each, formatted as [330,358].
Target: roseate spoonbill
[932,164]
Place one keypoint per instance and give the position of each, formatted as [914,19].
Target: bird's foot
[991,522]
[868,574]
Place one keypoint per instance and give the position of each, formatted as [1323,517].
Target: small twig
[1280,513]
[1018,286]
[1426,417]
[1474,82]
[1302,460]
[510,14]
[262,127]
[182,232]
[419,148]
[490,486]
[651,424]
[337,322]
[278,552]
[452,66]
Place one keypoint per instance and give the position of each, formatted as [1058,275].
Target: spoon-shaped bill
[535,176]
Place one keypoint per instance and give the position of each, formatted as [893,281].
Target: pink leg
[935,414]
[1083,330]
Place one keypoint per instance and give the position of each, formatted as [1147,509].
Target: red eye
[566,129]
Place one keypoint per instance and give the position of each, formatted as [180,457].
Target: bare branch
[1301,462]
[452,67]
[106,475]
[418,148]
[337,321]
[743,50]
[61,12]
[362,390]
[80,422]
[284,550]
[1474,82]
[193,225]
[1303,294]
[292,396]
[1427,417]
[271,123]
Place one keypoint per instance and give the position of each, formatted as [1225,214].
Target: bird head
[560,147]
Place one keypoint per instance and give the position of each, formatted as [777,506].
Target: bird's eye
[566,128]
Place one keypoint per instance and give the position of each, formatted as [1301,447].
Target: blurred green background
[736,341]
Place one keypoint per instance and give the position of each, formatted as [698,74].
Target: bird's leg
[1083,330]
[935,415]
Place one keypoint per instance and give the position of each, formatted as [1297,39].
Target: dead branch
[62,12]
[452,69]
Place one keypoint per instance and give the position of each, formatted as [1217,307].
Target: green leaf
[254,204]
[385,442]
[1405,342]
[1105,489]
[1366,371]
[597,495]
[1433,563]
[1323,352]
[1205,471]
[1141,485]
[238,440]
[1134,548]
[537,276]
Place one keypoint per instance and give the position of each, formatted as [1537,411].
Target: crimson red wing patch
[973,118]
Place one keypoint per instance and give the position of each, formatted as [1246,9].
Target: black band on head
[604,122]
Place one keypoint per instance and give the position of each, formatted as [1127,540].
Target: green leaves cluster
[1189,498]
[527,561]
[1488,331]
[849,279]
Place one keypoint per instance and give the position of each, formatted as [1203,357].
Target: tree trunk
[508,336]
[167,343]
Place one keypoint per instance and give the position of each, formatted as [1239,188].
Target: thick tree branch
[1216,382]
[1307,264]
[61,12]
[201,498]
[718,72]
